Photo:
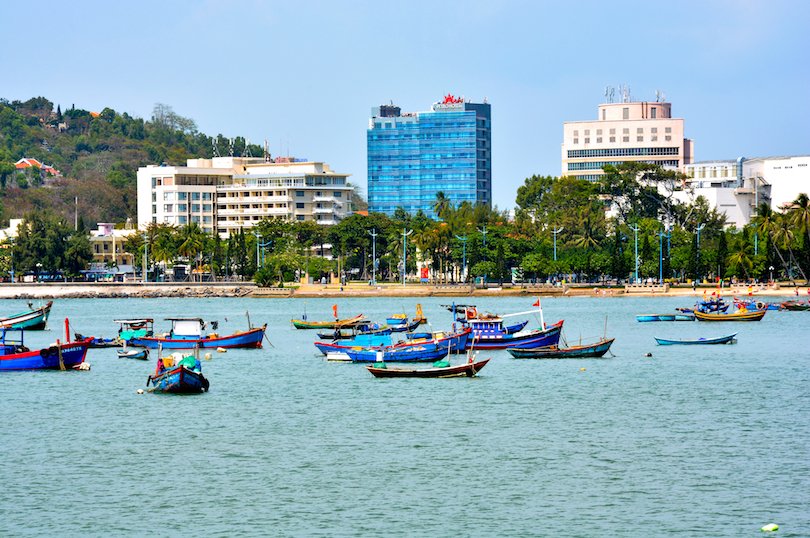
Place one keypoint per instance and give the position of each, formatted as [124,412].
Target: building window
[613,131]
[337,194]
[168,197]
[587,140]
[206,208]
[667,138]
[640,130]
[654,138]
[639,139]
[612,138]
[182,196]
[299,205]
[195,195]
[167,208]
[599,140]
[598,132]
[653,129]
[587,132]
[182,208]
[195,208]
[300,217]
[653,112]
[182,219]
[299,193]
[603,114]
[576,132]
[668,129]
[206,196]
[625,113]
[576,141]
[625,131]
[625,139]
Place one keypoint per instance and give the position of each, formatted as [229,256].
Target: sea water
[703,441]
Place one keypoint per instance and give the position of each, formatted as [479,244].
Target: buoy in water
[207,356]
[648,354]
[770,527]
[221,350]
[139,391]
[582,369]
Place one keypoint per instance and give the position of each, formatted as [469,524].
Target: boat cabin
[186,328]
[10,345]
[493,325]
[135,328]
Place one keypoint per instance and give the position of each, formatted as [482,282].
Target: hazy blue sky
[305,75]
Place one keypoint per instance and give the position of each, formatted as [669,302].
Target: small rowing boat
[739,315]
[140,354]
[700,341]
[443,370]
[335,324]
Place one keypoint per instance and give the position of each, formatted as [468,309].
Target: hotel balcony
[323,210]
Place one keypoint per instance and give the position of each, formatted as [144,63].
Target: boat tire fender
[48,352]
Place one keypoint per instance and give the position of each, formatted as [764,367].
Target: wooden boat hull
[553,352]
[33,320]
[527,340]
[179,380]
[461,370]
[700,341]
[416,353]
[734,316]
[796,306]
[335,324]
[247,339]
[73,354]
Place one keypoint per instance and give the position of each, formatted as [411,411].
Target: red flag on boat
[537,302]
[334,310]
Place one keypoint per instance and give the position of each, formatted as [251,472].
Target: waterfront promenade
[52,290]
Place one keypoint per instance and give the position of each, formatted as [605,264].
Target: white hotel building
[227,193]
[628,131]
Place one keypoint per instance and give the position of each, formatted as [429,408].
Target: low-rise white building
[228,193]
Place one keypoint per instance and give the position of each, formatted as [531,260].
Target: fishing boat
[353,331]
[413,353]
[140,354]
[14,355]
[796,306]
[573,352]
[187,333]
[440,369]
[644,318]
[335,324]
[359,341]
[397,319]
[751,304]
[455,342]
[33,319]
[739,315]
[707,305]
[178,374]
[700,341]
[135,328]
[401,320]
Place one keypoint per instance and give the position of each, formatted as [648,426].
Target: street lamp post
[463,256]
[697,250]
[771,270]
[373,233]
[555,231]
[634,227]
[484,233]
[145,257]
[661,236]
[405,234]
[258,241]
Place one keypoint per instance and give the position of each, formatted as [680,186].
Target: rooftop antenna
[230,150]
[215,148]
[246,150]
[266,151]
[657,96]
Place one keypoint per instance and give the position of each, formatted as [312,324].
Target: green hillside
[97,154]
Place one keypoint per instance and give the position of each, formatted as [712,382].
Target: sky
[304,75]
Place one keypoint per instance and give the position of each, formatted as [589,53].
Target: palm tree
[191,239]
[783,236]
[442,204]
[741,256]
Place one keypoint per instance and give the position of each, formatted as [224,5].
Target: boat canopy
[187,326]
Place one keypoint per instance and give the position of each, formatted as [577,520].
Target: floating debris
[770,527]
[139,391]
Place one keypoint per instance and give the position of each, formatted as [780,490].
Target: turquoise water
[702,441]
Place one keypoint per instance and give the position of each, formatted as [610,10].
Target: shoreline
[108,290]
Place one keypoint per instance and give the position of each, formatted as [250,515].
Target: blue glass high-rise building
[414,156]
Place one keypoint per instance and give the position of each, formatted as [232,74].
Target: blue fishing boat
[456,342]
[187,333]
[645,318]
[32,319]
[597,349]
[14,355]
[416,353]
[361,340]
[700,341]
[185,377]
[484,339]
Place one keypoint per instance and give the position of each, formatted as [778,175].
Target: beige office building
[632,131]
[227,193]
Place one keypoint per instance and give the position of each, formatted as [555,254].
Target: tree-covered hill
[97,154]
